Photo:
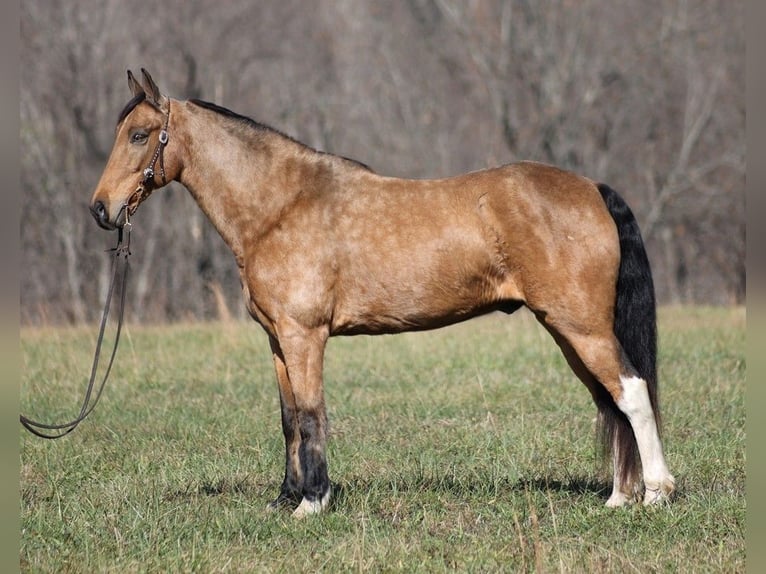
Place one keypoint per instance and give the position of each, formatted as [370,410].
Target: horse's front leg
[299,357]
[291,492]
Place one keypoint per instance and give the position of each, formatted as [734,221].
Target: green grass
[470,448]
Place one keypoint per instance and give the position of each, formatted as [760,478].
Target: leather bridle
[147,183]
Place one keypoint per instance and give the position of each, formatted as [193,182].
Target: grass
[470,449]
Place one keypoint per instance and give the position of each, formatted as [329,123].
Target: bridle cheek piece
[147,183]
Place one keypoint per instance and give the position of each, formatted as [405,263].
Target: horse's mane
[239,118]
[261,128]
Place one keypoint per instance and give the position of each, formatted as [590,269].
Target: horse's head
[142,157]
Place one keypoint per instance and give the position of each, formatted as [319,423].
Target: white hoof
[309,507]
[619,499]
[661,492]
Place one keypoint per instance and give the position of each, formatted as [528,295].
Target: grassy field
[468,449]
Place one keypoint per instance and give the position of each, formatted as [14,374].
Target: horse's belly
[422,268]
[411,299]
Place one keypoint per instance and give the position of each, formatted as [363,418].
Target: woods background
[646,96]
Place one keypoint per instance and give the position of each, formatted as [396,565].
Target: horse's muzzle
[101,215]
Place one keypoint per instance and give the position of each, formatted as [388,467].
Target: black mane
[226,112]
[244,120]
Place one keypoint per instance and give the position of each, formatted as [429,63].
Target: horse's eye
[138,137]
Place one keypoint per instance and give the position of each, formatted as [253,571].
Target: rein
[120,268]
[119,274]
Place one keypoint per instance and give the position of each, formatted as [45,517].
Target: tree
[647,97]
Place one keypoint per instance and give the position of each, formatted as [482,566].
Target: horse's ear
[135,87]
[153,94]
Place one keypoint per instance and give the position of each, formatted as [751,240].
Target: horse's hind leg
[625,483]
[624,407]
[659,484]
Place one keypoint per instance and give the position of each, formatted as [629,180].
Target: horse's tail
[635,326]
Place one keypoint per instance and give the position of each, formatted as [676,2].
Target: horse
[325,246]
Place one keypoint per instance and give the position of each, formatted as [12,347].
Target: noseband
[147,183]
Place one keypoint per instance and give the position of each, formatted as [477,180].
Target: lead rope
[120,268]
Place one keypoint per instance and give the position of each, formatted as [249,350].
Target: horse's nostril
[98,210]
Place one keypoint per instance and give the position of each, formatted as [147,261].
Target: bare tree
[645,96]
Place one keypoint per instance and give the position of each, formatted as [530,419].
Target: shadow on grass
[345,493]
[223,486]
[572,486]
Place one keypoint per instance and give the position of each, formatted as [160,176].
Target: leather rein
[120,267]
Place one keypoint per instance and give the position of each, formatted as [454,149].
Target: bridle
[120,267]
[147,183]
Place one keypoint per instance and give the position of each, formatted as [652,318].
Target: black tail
[635,326]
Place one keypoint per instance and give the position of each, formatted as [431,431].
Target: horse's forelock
[137,99]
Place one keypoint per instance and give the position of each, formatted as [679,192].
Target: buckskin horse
[325,246]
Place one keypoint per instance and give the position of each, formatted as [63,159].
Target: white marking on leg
[634,402]
[619,496]
[308,507]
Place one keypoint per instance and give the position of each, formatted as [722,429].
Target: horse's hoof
[660,493]
[308,507]
[283,502]
[620,499]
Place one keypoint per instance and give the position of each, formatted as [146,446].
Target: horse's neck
[239,186]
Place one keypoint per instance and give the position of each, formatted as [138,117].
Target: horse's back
[419,254]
